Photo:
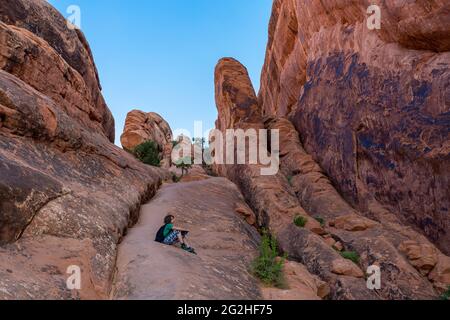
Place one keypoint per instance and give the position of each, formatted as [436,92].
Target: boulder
[422,256]
[440,275]
[301,285]
[38,48]
[141,127]
[353,222]
[346,268]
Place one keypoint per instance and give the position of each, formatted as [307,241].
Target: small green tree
[351,255]
[185,164]
[200,142]
[149,153]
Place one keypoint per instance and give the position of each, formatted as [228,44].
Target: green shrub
[290,180]
[148,152]
[351,255]
[445,295]
[175,178]
[300,221]
[268,267]
[321,221]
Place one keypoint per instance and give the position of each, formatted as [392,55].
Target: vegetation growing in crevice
[321,221]
[445,295]
[148,153]
[175,178]
[351,255]
[268,266]
[300,221]
[289,178]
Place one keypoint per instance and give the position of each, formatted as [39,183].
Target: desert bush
[446,295]
[300,221]
[148,152]
[175,178]
[268,266]
[351,255]
[321,221]
[289,178]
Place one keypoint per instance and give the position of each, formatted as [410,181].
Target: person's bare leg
[181,239]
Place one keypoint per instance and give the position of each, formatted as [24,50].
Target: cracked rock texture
[141,127]
[407,259]
[372,106]
[67,193]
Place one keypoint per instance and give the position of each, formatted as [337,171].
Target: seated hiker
[171,235]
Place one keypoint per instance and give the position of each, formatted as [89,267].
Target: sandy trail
[225,243]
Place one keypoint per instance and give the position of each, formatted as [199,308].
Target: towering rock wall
[414,267]
[371,106]
[67,194]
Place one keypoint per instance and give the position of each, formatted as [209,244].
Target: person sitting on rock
[170,235]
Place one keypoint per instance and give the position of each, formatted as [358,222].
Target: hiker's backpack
[160,235]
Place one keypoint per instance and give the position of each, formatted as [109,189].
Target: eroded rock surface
[141,127]
[372,106]
[226,245]
[270,196]
[377,241]
[67,194]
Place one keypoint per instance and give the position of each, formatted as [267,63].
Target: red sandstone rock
[422,256]
[346,268]
[318,196]
[271,198]
[141,127]
[52,60]
[301,285]
[372,107]
[315,192]
[67,194]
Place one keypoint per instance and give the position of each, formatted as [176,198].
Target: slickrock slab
[226,245]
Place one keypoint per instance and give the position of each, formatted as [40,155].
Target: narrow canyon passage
[225,244]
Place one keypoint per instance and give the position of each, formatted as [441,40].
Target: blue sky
[159,55]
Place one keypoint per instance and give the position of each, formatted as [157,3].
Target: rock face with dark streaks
[372,106]
[67,194]
[406,258]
